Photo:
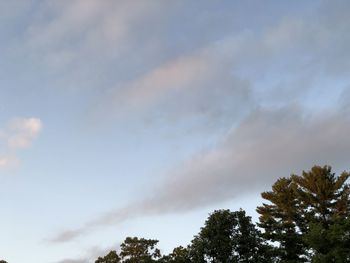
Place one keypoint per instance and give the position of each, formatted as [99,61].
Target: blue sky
[138,118]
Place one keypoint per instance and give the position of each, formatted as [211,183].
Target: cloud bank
[267,144]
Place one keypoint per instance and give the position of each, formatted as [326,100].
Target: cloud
[92,254]
[70,32]
[212,79]
[131,52]
[199,87]
[267,144]
[82,260]
[18,134]
[223,78]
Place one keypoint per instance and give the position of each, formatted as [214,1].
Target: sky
[139,118]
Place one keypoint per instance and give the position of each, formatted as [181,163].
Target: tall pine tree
[307,216]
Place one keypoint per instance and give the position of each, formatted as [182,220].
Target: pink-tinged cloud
[200,87]
[18,134]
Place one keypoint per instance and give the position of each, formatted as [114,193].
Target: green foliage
[322,195]
[179,255]
[215,236]
[135,250]
[227,237]
[330,244]
[111,257]
[306,219]
[281,221]
[3,261]
[307,216]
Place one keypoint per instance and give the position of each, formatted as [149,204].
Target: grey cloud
[90,256]
[67,235]
[268,144]
[110,218]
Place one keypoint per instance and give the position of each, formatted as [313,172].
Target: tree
[179,255]
[281,222]
[332,244]
[227,237]
[3,261]
[135,250]
[111,257]
[307,216]
[324,200]
[247,242]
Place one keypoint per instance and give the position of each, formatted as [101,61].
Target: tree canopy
[304,218]
[111,257]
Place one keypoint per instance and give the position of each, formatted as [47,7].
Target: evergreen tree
[281,222]
[307,216]
[324,200]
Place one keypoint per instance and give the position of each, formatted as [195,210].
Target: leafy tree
[111,257]
[227,237]
[197,250]
[135,250]
[247,244]
[3,261]
[179,255]
[216,236]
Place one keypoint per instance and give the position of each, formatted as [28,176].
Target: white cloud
[18,134]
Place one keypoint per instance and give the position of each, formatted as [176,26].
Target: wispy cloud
[92,254]
[239,71]
[18,134]
[70,32]
[199,87]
